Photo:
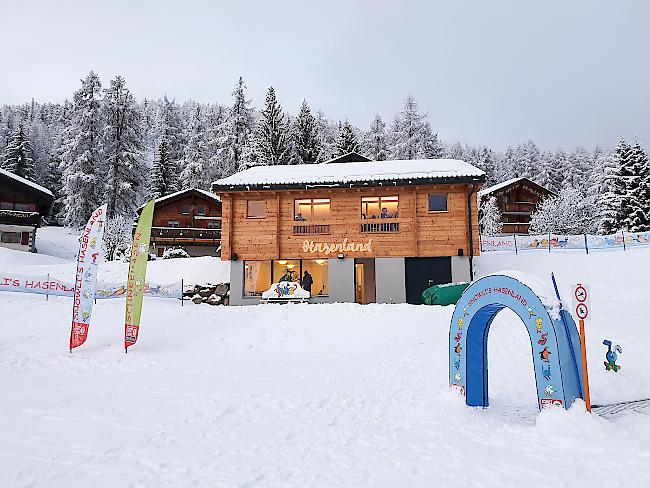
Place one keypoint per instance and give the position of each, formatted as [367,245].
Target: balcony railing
[380,226]
[307,229]
[185,234]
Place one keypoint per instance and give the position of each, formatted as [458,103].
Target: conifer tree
[328,135]
[306,141]
[411,136]
[196,173]
[82,154]
[347,141]
[237,131]
[162,172]
[638,220]
[375,144]
[18,157]
[272,134]
[490,223]
[170,127]
[125,176]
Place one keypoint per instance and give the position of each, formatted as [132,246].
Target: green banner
[137,275]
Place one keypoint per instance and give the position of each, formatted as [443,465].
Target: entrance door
[358,285]
[364,280]
[422,273]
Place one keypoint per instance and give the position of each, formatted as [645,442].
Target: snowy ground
[313,395]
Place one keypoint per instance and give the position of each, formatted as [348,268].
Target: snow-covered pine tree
[171,127]
[237,131]
[454,151]
[638,191]
[272,133]
[117,237]
[411,136]
[18,157]
[306,141]
[490,223]
[347,141]
[546,174]
[196,172]
[568,213]
[577,170]
[82,155]
[328,135]
[125,169]
[163,178]
[374,143]
[528,158]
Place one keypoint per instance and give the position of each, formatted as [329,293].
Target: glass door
[359,279]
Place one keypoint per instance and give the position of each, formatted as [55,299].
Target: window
[22,207]
[437,203]
[201,210]
[257,277]
[379,207]
[319,272]
[10,237]
[286,270]
[173,223]
[185,209]
[256,209]
[214,224]
[6,206]
[311,209]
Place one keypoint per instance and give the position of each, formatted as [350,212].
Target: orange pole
[585,374]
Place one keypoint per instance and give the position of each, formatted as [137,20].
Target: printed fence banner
[90,254]
[612,241]
[55,287]
[559,241]
[527,243]
[635,239]
[137,275]
[499,243]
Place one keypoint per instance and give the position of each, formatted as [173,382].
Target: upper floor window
[311,209]
[173,223]
[201,210]
[23,207]
[185,209]
[437,202]
[214,224]
[6,206]
[380,207]
[255,209]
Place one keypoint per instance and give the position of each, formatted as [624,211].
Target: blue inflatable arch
[553,336]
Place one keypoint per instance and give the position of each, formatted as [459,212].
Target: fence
[50,286]
[559,242]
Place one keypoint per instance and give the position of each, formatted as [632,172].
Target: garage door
[421,273]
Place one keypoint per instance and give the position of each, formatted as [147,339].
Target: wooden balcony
[380,226]
[304,229]
[185,235]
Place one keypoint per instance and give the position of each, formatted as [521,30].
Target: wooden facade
[517,200]
[190,219]
[413,232]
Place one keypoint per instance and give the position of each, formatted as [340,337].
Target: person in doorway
[307,281]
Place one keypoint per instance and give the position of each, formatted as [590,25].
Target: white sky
[495,72]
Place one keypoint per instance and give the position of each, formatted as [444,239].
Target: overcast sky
[562,72]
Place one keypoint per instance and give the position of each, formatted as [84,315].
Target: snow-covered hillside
[332,395]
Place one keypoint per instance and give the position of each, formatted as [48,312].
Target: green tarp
[443,294]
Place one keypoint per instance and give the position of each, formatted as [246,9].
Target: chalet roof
[365,173]
[351,157]
[21,180]
[180,193]
[510,182]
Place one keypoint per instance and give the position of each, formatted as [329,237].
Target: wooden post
[277,228]
[585,374]
[415,221]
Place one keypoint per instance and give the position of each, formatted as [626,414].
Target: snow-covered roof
[175,194]
[504,184]
[22,180]
[331,174]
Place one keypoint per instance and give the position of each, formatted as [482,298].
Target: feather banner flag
[85,285]
[137,274]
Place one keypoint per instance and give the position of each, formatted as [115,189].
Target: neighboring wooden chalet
[188,219]
[367,231]
[23,206]
[517,199]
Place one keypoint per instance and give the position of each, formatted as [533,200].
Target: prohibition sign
[582,311]
[580,294]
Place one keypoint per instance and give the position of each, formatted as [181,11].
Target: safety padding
[553,336]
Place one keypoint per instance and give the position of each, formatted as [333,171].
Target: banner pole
[515,236]
[585,373]
[549,242]
[586,245]
[182,292]
[47,292]
[623,234]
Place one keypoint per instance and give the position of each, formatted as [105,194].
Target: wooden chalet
[517,199]
[23,207]
[189,219]
[365,231]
